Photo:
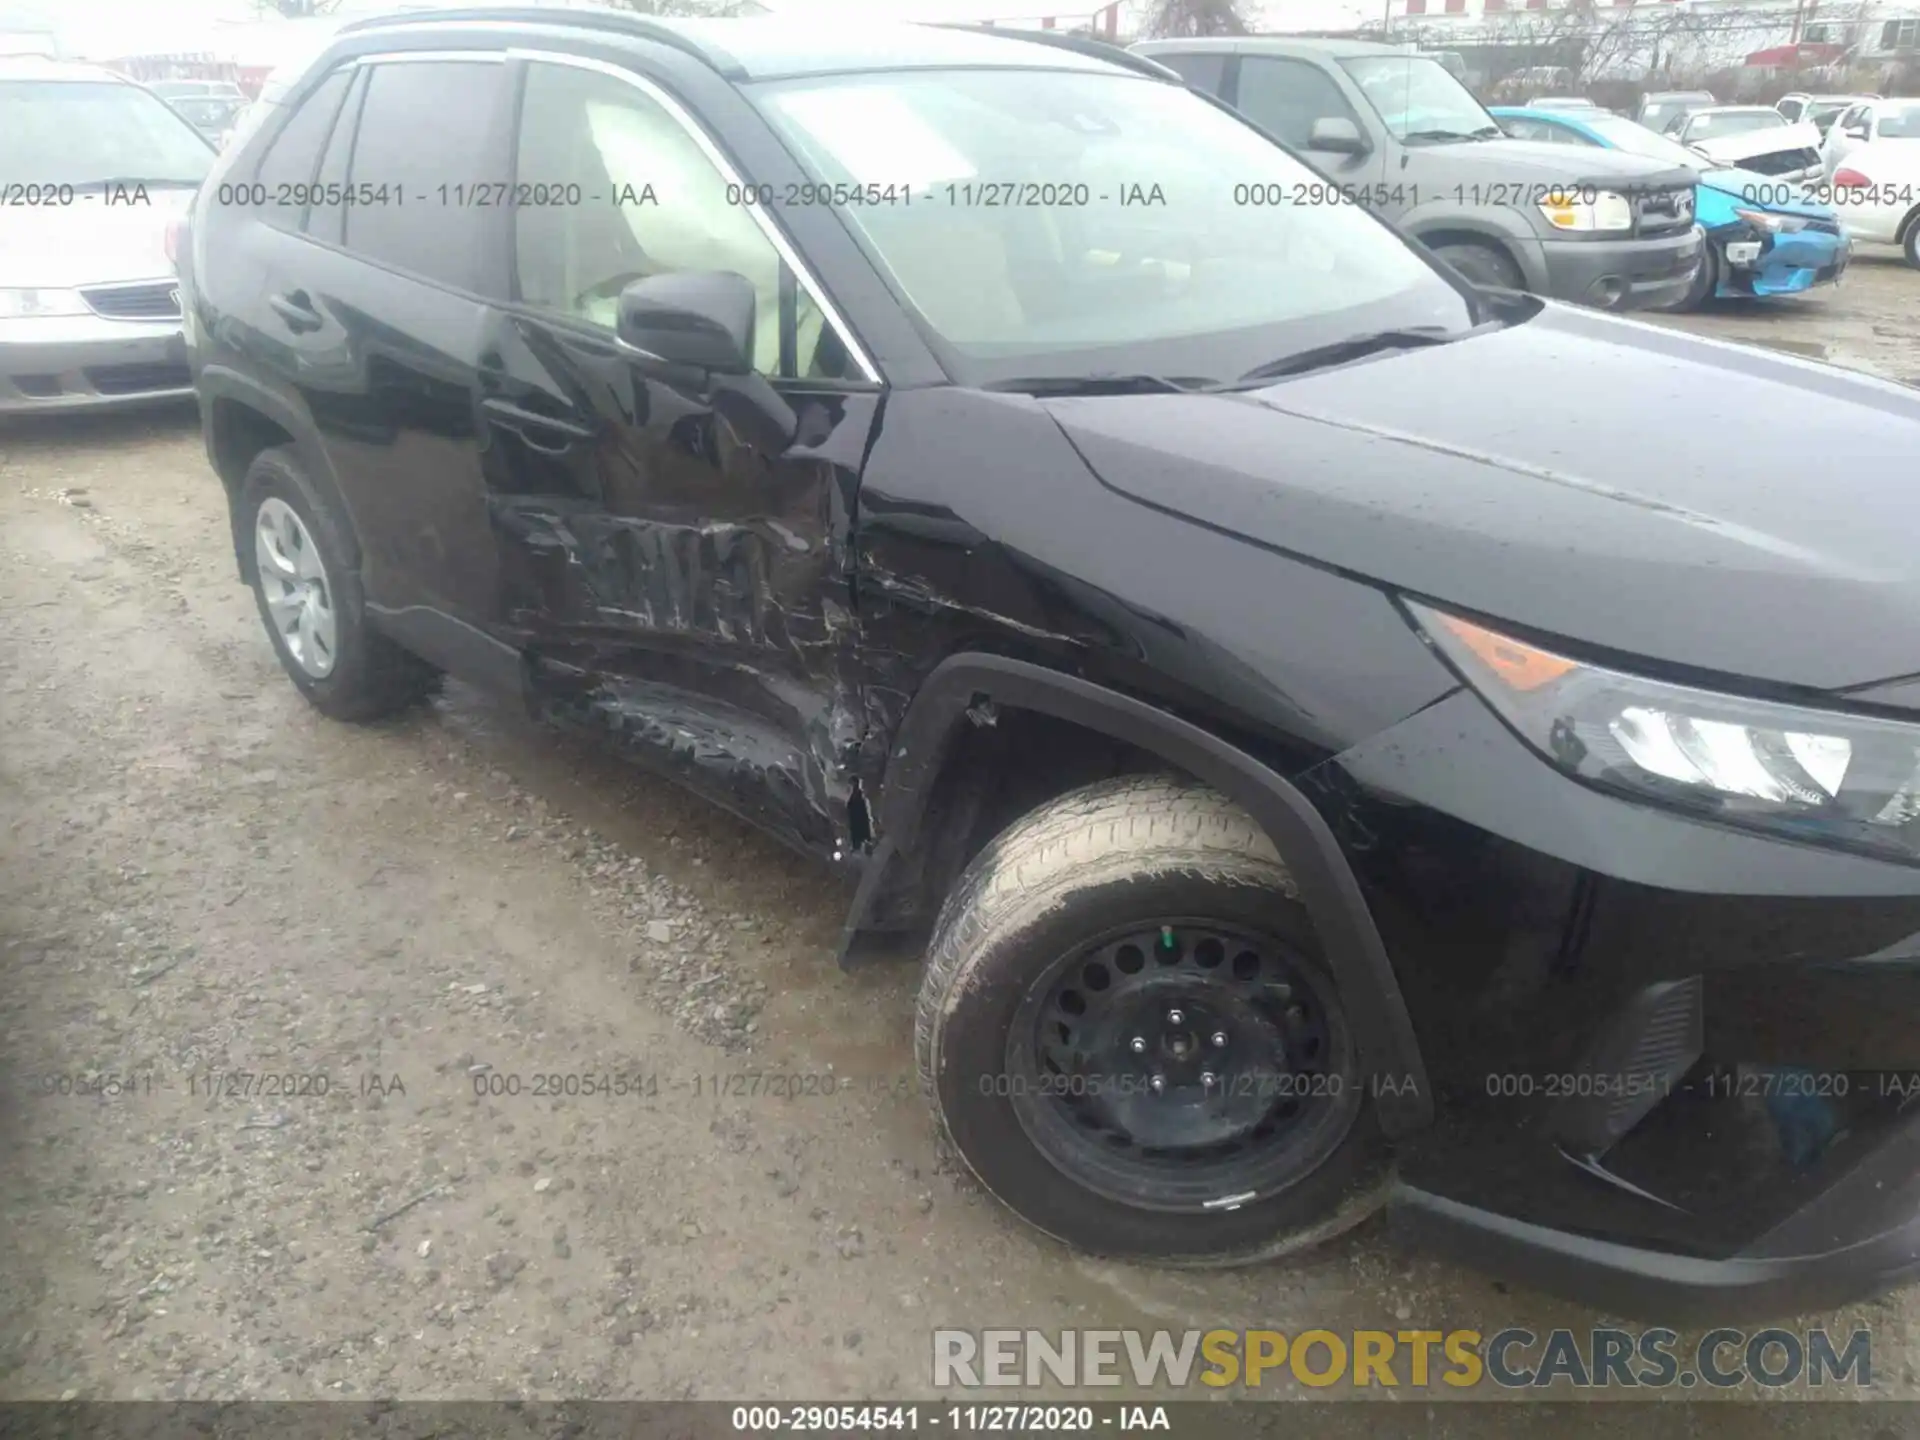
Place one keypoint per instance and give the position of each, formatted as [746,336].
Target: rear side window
[286,170]
[424,154]
[1202,72]
[1285,97]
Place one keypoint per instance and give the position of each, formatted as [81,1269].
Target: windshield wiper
[1339,352]
[1489,132]
[1099,385]
[1436,135]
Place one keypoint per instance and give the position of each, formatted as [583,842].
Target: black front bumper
[1825,1255]
[1549,939]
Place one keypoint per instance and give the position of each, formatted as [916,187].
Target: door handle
[544,432]
[297,310]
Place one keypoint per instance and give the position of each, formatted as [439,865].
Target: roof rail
[618,22]
[1080,45]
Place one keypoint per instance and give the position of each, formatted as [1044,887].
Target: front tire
[307,586]
[1482,264]
[1911,245]
[1706,281]
[1126,1031]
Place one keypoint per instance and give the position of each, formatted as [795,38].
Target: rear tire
[1911,245]
[1482,264]
[1237,1154]
[306,583]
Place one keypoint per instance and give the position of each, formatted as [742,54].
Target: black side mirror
[1337,135]
[703,322]
[703,319]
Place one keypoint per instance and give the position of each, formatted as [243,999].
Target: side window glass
[1202,72]
[1285,97]
[420,155]
[326,215]
[294,154]
[648,202]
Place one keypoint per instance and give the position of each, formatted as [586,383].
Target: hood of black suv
[1585,476]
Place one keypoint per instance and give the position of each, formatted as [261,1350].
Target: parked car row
[1595,226]
[1763,236]
[1637,220]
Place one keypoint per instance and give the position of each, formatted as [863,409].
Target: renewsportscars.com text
[1512,1358]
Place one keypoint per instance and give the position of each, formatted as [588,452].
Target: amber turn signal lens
[1520,666]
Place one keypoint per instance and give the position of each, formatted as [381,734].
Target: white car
[1868,122]
[1876,191]
[93,171]
[1780,151]
[1711,122]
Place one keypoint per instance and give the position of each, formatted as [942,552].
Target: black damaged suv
[1341,739]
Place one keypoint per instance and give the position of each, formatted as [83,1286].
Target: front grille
[157,301]
[1791,163]
[1663,211]
[138,379]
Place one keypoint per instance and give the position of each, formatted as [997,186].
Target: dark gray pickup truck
[1393,130]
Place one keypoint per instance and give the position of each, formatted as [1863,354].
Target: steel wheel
[1190,1066]
[294,584]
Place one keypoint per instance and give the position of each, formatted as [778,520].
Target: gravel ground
[200,876]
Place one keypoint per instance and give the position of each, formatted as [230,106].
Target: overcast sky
[102,29]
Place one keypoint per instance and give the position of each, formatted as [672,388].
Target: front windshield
[83,133]
[207,112]
[1074,223]
[1660,113]
[1625,135]
[1899,122]
[1824,110]
[1715,124]
[1418,100]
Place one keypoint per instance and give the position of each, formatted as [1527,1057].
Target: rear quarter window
[293,154]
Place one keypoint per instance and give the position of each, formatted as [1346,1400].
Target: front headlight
[1771,223]
[1822,776]
[36,304]
[1606,211]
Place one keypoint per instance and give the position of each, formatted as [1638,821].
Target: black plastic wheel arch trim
[1390,1052]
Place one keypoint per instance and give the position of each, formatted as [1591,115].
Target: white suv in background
[93,171]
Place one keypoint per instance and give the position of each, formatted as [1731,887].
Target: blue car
[1764,237]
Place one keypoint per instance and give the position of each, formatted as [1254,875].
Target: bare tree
[1182,19]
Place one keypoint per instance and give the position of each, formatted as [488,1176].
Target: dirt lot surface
[200,877]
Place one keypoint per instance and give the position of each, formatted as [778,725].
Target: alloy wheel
[294,583]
